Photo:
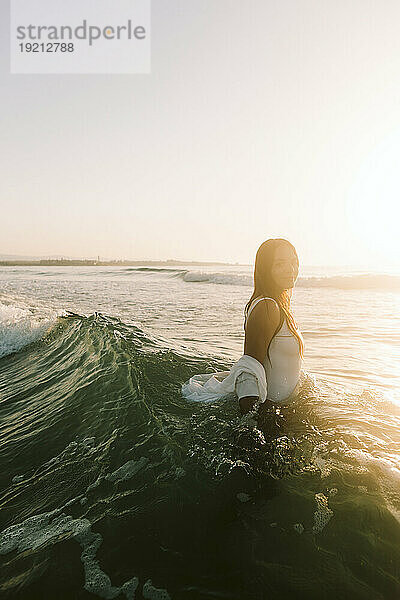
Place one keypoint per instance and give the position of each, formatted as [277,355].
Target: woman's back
[284,371]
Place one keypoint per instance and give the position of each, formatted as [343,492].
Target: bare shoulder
[265,314]
[260,328]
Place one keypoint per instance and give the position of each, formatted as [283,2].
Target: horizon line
[99,259]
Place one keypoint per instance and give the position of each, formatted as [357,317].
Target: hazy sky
[260,118]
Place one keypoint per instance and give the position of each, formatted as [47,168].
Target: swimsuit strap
[254,303]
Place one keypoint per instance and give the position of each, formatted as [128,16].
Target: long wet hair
[264,285]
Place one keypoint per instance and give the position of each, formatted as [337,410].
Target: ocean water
[114,486]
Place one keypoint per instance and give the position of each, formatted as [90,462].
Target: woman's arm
[260,328]
[246,388]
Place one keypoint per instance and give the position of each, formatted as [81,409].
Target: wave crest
[344,282]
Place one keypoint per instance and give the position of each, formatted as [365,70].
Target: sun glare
[373,208]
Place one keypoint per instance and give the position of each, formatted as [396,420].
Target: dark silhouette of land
[106,263]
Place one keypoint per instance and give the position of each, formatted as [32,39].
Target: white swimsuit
[283,376]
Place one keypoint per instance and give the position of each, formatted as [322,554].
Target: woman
[271,334]
[270,367]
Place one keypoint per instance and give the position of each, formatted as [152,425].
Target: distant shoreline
[111,263]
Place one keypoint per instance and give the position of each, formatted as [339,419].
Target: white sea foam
[219,278]
[51,527]
[22,325]
[354,281]
[323,514]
